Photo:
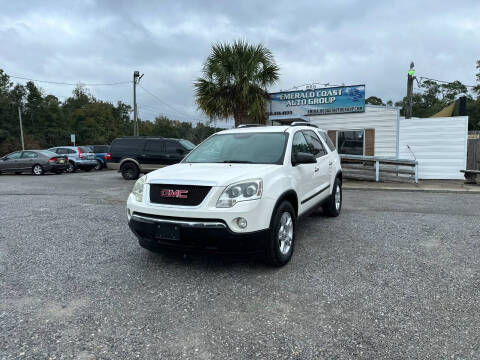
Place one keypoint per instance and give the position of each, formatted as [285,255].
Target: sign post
[72,139]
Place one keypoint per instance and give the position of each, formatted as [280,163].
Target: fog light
[242,223]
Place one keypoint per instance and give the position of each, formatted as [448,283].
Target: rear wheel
[99,165]
[281,238]
[37,169]
[71,167]
[333,206]
[130,171]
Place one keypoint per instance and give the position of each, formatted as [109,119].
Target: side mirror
[303,158]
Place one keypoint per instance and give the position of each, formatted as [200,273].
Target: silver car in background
[79,157]
[37,162]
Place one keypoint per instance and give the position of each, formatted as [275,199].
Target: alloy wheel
[285,233]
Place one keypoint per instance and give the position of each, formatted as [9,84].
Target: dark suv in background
[141,154]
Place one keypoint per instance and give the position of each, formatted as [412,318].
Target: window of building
[350,142]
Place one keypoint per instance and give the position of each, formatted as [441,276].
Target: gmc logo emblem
[180,194]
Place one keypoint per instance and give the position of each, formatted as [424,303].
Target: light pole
[411,73]
[136,80]
[21,126]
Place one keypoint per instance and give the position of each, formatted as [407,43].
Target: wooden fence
[379,168]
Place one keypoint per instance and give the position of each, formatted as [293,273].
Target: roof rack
[248,125]
[302,123]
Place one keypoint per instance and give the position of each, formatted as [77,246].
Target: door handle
[330,163]
[317,169]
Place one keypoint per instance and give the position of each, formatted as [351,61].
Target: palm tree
[234,82]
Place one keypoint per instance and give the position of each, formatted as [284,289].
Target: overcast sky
[350,42]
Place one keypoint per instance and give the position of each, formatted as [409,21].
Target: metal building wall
[439,145]
[382,119]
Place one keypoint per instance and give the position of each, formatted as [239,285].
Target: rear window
[85,149]
[99,148]
[127,145]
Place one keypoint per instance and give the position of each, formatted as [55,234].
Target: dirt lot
[397,275]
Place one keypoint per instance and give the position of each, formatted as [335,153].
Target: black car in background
[37,162]
[140,154]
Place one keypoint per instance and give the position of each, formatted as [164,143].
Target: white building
[438,144]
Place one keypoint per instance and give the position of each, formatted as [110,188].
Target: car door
[153,156]
[9,162]
[322,172]
[28,159]
[304,173]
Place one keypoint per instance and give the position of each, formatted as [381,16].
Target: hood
[209,174]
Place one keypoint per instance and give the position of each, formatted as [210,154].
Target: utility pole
[411,73]
[21,126]
[136,80]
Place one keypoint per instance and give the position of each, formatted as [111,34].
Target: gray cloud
[347,42]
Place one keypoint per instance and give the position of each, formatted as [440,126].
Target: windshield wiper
[238,161]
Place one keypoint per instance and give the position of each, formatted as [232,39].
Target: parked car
[240,190]
[37,162]
[138,154]
[79,157]
[100,152]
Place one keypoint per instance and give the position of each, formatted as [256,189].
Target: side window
[127,146]
[69,151]
[29,155]
[299,144]
[327,140]
[154,146]
[61,151]
[13,156]
[174,148]
[314,143]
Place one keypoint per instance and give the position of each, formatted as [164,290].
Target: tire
[99,165]
[281,237]
[130,171]
[333,206]
[37,169]
[71,167]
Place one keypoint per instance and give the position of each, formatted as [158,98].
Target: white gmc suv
[240,190]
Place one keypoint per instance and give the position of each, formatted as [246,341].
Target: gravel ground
[397,275]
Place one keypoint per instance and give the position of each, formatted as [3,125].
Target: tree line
[48,121]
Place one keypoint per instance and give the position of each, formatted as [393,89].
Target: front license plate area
[168,232]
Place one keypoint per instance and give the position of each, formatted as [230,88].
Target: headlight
[243,191]
[138,188]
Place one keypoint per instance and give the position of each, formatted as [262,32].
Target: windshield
[187,144]
[254,148]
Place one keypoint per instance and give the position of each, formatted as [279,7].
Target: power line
[71,84]
[166,104]
[444,82]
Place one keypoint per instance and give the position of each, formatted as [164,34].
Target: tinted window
[99,148]
[300,144]
[29,155]
[13,156]
[154,146]
[173,147]
[53,150]
[350,142]
[85,149]
[127,145]
[314,143]
[327,140]
[61,151]
[248,147]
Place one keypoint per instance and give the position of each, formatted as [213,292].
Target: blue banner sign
[324,101]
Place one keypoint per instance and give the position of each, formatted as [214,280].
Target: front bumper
[199,235]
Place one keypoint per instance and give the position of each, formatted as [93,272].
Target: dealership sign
[324,101]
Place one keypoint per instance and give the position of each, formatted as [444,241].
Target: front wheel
[37,169]
[333,206]
[281,238]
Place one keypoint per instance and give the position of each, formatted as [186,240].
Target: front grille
[169,194]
